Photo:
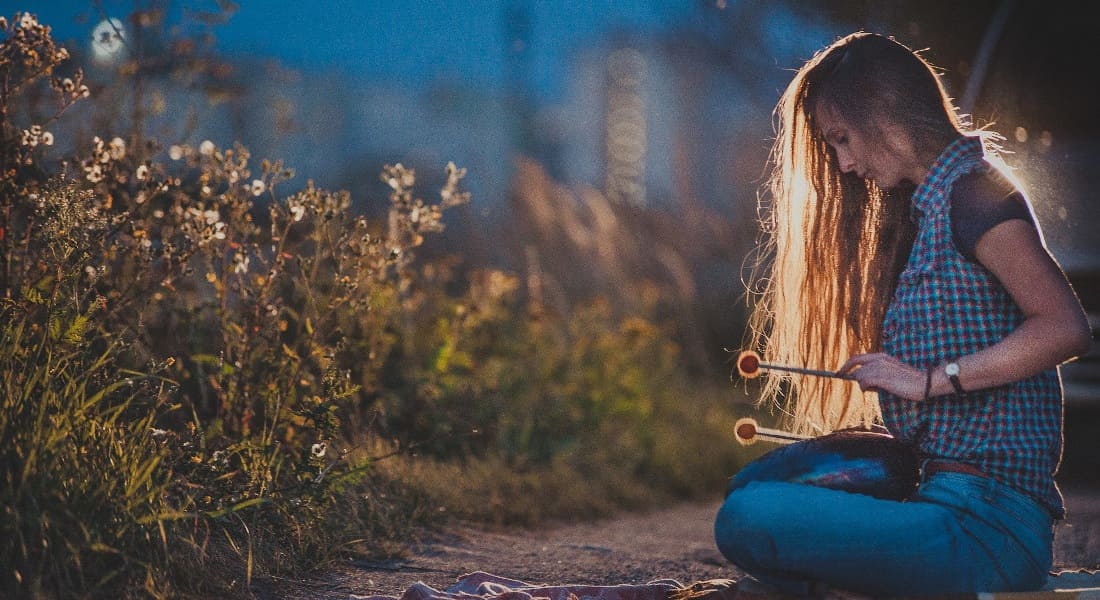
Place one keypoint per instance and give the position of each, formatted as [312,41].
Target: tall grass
[201,373]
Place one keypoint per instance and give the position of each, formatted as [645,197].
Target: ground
[673,543]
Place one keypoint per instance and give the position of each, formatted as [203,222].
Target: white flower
[318,450]
[233,176]
[47,138]
[84,91]
[94,173]
[142,173]
[118,148]
[258,187]
[175,152]
[240,263]
[206,148]
[211,216]
[158,433]
[27,21]
[219,230]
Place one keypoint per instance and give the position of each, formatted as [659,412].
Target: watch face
[951,369]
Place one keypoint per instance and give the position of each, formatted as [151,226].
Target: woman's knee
[741,526]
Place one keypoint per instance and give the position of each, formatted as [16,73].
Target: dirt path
[674,543]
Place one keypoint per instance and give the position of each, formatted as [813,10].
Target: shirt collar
[963,151]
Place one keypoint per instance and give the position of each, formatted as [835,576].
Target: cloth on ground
[485,586]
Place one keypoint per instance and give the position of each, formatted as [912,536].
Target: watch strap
[953,377]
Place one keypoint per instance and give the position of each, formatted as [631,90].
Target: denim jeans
[957,534]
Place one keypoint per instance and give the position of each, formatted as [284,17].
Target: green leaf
[33,295]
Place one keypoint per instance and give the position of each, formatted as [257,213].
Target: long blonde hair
[832,244]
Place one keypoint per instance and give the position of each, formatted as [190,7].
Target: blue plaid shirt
[946,307]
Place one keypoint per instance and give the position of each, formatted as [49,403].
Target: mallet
[746,431]
[750,366]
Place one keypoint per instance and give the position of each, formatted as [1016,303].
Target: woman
[896,247]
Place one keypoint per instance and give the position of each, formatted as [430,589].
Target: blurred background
[615,150]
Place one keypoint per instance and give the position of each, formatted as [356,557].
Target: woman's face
[887,161]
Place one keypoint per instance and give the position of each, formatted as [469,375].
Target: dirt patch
[674,543]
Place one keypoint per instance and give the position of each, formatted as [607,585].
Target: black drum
[857,461]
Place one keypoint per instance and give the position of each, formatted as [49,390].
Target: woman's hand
[881,372]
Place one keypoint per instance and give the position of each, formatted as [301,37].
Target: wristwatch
[952,371]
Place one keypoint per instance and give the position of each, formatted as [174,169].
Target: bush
[176,356]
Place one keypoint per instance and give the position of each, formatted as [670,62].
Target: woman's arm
[1054,329]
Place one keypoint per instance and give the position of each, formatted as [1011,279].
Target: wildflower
[158,433]
[211,216]
[258,187]
[62,54]
[27,20]
[298,211]
[94,173]
[142,173]
[47,138]
[240,262]
[118,148]
[206,148]
[175,152]
[233,176]
[68,85]
[219,230]
[318,450]
[84,91]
